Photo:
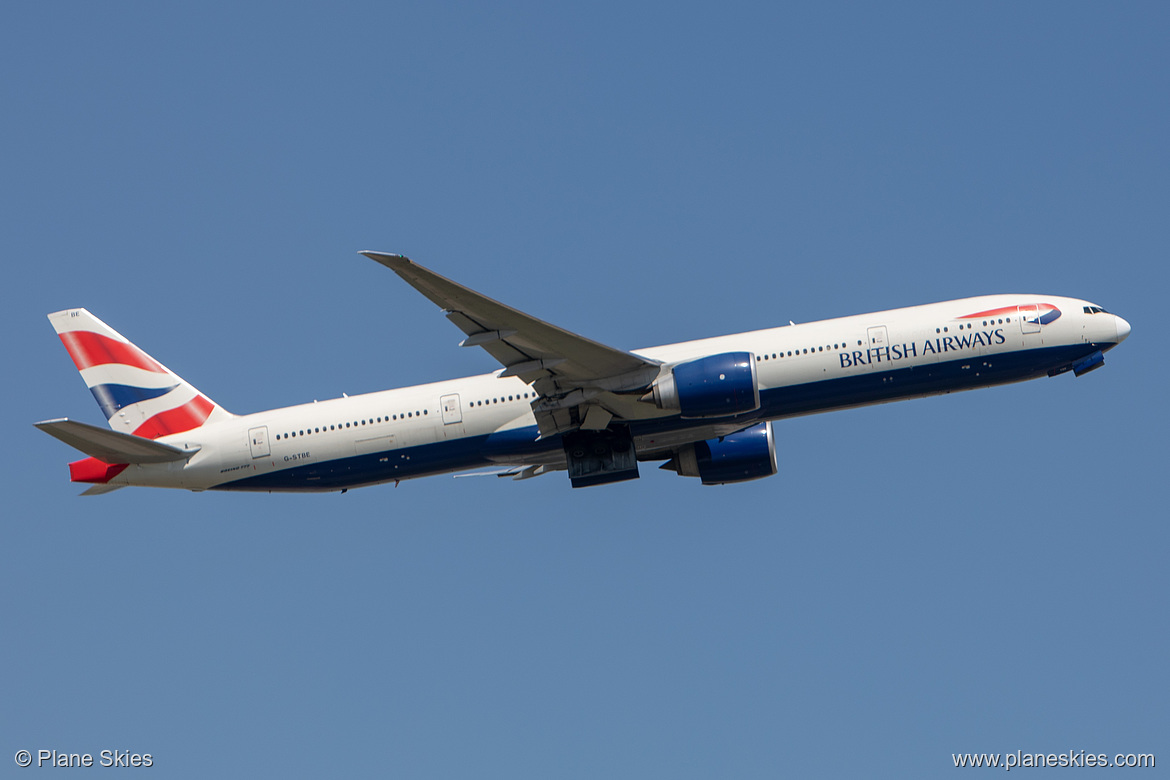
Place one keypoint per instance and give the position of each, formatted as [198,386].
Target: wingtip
[388,259]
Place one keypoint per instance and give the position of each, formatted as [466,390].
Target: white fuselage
[479,421]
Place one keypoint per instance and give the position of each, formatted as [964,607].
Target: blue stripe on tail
[111,398]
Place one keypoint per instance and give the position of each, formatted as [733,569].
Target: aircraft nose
[1122,329]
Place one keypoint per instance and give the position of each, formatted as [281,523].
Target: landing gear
[599,457]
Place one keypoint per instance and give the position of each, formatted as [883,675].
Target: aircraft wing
[581,383]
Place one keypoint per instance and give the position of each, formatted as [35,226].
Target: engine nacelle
[749,454]
[715,386]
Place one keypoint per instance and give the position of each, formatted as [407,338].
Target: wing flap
[499,348]
[112,446]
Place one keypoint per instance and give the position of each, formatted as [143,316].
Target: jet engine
[739,457]
[715,386]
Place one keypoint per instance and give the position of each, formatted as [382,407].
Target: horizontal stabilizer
[100,490]
[111,446]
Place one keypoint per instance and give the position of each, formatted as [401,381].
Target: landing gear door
[1030,318]
[258,441]
[452,413]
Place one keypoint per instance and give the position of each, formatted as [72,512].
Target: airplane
[562,402]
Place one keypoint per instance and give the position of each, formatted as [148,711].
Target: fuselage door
[452,413]
[878,337]
[258,441]
[1030,318]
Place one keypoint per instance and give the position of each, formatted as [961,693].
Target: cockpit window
[1095,310]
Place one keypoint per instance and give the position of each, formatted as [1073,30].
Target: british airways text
[930,346]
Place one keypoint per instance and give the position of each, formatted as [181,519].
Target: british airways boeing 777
[562,402]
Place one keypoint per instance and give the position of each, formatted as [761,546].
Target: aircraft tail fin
[138,395]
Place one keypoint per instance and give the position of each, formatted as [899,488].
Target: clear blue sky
[982,572]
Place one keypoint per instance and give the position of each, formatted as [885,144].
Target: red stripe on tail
[182,418]
[93,349]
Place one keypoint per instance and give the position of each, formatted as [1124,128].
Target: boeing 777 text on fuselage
[562,402]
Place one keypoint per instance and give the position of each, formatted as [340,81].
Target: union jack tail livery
[138,395]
